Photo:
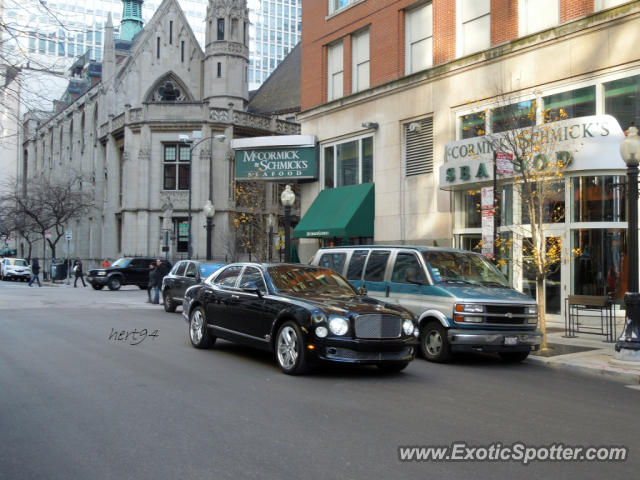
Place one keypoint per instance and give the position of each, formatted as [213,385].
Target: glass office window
[571,104]
[367,160]
[348,163]
[329,177]
[472,125]
[514,116]
[622,100]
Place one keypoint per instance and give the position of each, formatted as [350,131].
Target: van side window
[354,272]
[406,262]
[376,266]
[333,261]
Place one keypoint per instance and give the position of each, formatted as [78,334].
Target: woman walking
[77,270]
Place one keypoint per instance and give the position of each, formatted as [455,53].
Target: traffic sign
[68,235]
[47,235]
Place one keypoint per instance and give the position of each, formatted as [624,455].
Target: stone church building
[149,132]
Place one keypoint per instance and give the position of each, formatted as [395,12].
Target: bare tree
[48,205]
[538,173]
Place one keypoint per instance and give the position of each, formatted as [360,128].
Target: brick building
[391,88]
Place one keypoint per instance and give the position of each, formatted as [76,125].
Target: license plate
[510,340]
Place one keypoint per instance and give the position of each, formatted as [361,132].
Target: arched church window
[168,91]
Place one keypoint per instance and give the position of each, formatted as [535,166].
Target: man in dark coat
[35,269]
[162,269]
[152,280]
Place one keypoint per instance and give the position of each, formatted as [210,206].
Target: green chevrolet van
[461,300]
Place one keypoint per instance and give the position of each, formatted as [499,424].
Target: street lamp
[197,135]
[209,211]
[271,222]
[628,345]
[287,198]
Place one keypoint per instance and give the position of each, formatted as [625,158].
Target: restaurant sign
[585,143]
[277,164]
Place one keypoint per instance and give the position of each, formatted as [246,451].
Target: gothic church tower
[227,54]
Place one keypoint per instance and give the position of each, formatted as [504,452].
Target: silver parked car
[15,269]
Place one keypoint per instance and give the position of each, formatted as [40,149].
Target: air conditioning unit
[415,127]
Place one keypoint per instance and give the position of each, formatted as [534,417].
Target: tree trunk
[542,301]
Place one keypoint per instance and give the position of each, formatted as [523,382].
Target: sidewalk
[587,355]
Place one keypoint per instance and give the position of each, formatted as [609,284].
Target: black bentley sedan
[183,275]
[304,314]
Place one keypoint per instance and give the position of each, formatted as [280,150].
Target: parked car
[462,301]
[303,314]
[124,271]
[183,275]
[15,269]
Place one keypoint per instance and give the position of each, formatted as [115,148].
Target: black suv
[124,271]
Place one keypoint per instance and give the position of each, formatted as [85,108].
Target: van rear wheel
[434,343]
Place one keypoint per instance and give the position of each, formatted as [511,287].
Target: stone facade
[154,89]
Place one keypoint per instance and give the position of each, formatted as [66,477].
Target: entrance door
[552,283]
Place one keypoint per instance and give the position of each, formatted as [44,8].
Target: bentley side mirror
[251,287]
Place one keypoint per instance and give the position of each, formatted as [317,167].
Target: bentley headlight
[339,326]
[321,332]
[318,317]
[407,327]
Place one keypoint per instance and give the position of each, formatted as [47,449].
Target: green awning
[340,212]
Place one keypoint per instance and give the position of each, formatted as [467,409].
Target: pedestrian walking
[77,271]
[35,269]
[161,271]
[152,281]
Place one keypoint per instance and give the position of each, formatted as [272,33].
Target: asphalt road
[75,404]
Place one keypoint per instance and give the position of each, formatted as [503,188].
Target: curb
[602,372]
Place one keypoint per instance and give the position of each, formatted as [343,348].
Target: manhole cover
[556,349]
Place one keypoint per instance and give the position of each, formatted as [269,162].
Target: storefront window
[348,163]
[504,253]
[471,209]
[598,199]
[572,104]
[622,100]
[514,116]
[505,206]
[553,197]
[601,266]
[472,125]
